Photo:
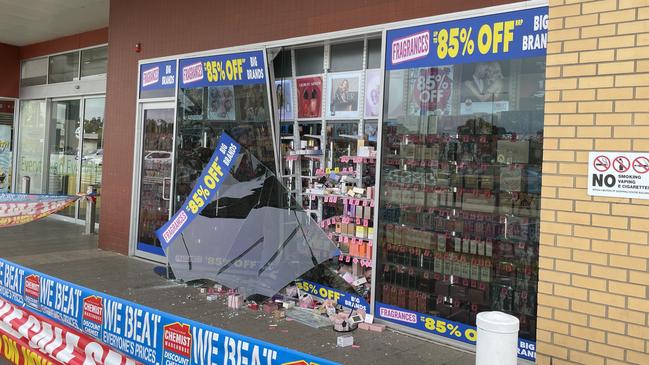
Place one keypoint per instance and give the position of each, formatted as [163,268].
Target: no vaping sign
[618,174]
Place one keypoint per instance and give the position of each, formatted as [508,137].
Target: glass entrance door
[156,153]
[65,134]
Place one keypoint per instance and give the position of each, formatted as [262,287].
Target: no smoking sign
[618,174]
[641,165]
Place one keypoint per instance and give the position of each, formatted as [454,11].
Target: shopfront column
[593,278]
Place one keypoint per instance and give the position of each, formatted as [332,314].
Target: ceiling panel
[24,22]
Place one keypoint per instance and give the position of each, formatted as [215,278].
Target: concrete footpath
[59,249]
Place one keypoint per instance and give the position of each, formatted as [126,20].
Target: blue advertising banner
[347,300]
[158,75]
[229,69]
[145,334]
[444,327]
[515,34]
[208,183]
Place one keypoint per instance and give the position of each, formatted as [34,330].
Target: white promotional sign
[618,174]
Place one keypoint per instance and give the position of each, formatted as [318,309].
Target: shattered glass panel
[252,235]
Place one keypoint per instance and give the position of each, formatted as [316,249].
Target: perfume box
[419,198]
[367,212]
[513,152]
[511,178]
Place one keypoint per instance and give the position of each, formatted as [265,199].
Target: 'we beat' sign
[618,174]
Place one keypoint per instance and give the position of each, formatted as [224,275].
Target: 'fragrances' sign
[158,75]
[229,69]
[516,34]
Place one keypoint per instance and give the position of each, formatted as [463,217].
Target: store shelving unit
[320,165]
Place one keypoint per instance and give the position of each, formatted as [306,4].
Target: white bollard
[497,341]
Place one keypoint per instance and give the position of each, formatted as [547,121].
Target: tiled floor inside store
[60,249]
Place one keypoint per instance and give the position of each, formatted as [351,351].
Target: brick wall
[9,71]
[593,302]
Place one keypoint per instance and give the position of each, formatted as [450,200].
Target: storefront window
[65,132]
[309,61]
[460,185]
[346,56]
[94,61]
[33,72]
[373,53]
[204,112]
[31,142]
[6,144]
[64,68]
[92,153]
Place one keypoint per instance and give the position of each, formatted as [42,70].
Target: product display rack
[322,168]
[446,229]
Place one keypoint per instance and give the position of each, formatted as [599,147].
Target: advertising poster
[158,79]
[485,88]
[430,91]
[251,103]
[502,36]
[284,91]
[83,326]
[309,96]
[220,101]
[342,97]
[211,179]
[444,327]
[370,131]
[5,158]
[18,209]
[193,103]
[226,69]
[396,94]
[372,93]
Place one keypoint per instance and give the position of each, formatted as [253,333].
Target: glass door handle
[166,197]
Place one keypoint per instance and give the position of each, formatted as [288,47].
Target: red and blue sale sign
[502,36]
[89,327]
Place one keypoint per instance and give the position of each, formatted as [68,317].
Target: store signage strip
[618,174]
[140,333]
[216,170]
[158,75]
[347,300]
[229,69]
[511,35]
[20,327]
[443,327]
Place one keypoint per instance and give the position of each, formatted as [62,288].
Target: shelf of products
[327,117]
[458,229]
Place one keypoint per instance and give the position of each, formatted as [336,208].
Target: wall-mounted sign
[158,75]
[618,174]
[228,69]
[515,34]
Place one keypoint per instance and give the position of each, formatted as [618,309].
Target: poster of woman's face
[220,100]
[342,98]
[284,91]
[309,96]
[251,103]
[372,93]
[484,88]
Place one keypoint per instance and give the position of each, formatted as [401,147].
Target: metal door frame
[46,153]
[137,176]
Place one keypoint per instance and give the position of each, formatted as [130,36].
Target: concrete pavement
[59,249]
